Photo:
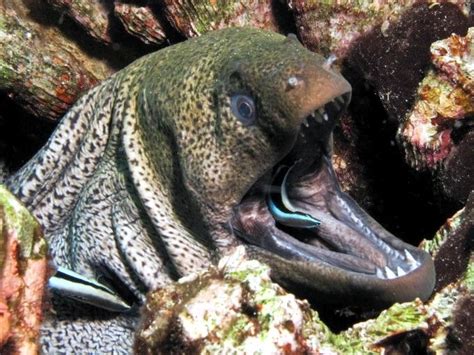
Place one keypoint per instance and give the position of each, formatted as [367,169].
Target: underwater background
[403,149]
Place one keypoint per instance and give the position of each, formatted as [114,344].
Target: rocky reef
[23,276]
[436,129]
[403,150]
[235,307]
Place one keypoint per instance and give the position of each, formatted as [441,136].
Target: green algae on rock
[195,17]
[445,99]
[236,308]
[334,26]
[40,67]
[140,21]
[229,309]
[17,220]
[23,275]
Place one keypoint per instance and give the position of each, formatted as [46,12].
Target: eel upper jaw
[346,256]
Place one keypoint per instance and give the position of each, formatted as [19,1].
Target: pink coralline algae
[445,101]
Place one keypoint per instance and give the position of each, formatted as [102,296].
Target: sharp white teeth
[305,122]
[390,273]
[410,259]
[380,274]
[318,117]
[400,271]
[321,114]
[340,100]
[336,104]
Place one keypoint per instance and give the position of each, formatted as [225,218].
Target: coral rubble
[445,100]
[236,308]
[23,274]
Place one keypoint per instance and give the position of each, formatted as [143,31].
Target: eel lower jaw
[314,235]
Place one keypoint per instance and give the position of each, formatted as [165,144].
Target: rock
[236,308]
[23,275]
[232,308]
[141,22]
[441,119]
[194,17]
[41,68]
[91,15]
[332,27]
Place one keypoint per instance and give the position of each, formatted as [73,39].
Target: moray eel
[189,152]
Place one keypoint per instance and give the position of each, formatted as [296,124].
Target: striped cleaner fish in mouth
[297,218]
[189,152]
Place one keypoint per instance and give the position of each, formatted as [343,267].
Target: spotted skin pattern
[139,179]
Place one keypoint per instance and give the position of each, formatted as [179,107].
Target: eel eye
[243,107]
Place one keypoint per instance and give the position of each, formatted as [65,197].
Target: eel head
[258,159]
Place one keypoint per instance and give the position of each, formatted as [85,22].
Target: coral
[140,21]
[332,27]
[23,274]
[454,57]
[236,308]
[195,17]
[232,308]
[444,99]
[41,68]
[90,15]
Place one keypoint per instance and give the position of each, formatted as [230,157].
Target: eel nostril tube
[329,61]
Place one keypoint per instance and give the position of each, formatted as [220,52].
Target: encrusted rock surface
[41,68]
[332,27]
[236,308]
[23,275]
[232,308]
[437,133]
[91,15]
[196,17]
[445,98]
[140,21]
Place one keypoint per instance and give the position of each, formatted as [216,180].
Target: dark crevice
[21,134]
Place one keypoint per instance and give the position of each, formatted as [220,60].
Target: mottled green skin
[221,157]
[214,149]
[139,179]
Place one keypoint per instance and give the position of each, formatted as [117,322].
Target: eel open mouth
[297,219]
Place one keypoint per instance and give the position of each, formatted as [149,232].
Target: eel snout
[315,235]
